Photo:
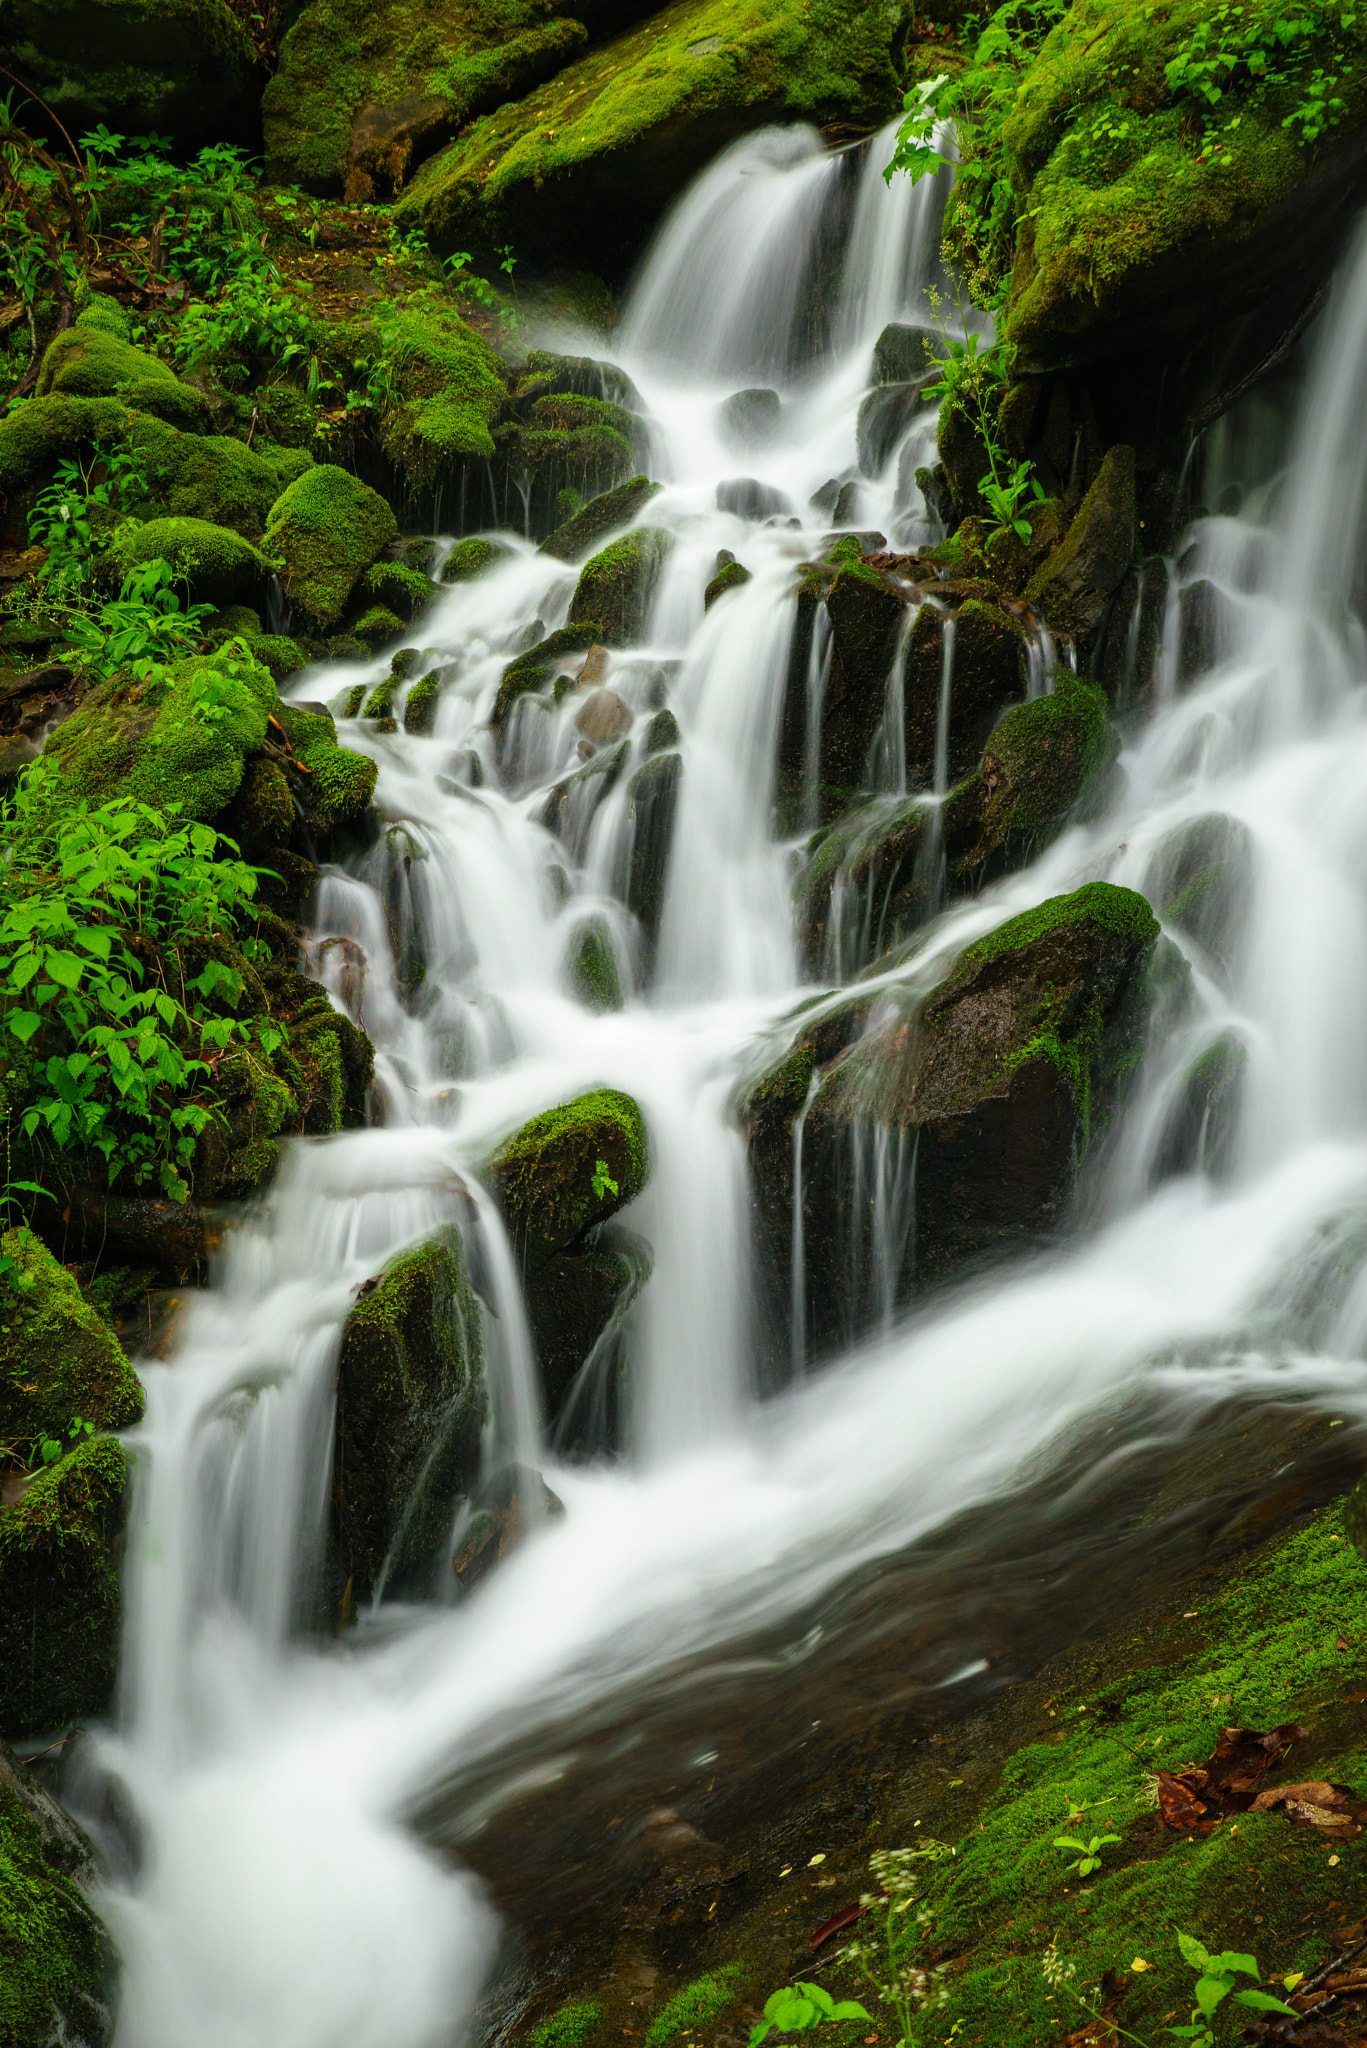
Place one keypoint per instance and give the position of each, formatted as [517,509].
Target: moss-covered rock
[195,476]
[543,1178]
[868,883]
[327,529]
[1044,758]
[59,1591]
[653,800]
[411,1406]
[420,705]
[582,168]
[616,586]
[405,592]
[1002,1079]
[1074,585]
[731,576]
[339,783]
[282,656]
[592,966]
[579,536]
[448,389]
[60,1362]
[144,736]
[986,674]
[218,566]
[88,361]
[471,558]
[179,68]
[541,663]
[375,626]
[1144,212]
[57,1966]
[362,97]
[866,616]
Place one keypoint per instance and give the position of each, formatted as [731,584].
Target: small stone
[590,676]
[602,716]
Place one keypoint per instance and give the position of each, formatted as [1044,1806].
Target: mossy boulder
[403,591]
[731,576]
[144,735]
[276,652]
[218,566]
[180,68]
[362,96]
[1045,758]
[411,1407]
[448,385]
[603,515]
[592,966]
[1001,1081]
[1074,585]
[869,881]
[59,1591]
[1146,214]
[327,529]
[471,558]
[543,1178]
[616,586]
[581,169]
[60,1361]
[339,783]
[57,1965]
[420,705]
[562,650]
[88,361]
[195,476]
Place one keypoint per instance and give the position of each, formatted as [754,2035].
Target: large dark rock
[59,1591]
[1045,758]
[869,881]
[902,353]
[866,616]
[954,1127]
[57,1964]
[749,419]
[543,1178]
[884,417]
[616,586]
[1074,586]
[1201,878]
[750,499]
[985,675]
[411,1406]
[654,798]
[579,536]
[576,1301]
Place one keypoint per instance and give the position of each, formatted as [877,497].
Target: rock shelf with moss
[543,1177]
[59,1591]
[60,1359]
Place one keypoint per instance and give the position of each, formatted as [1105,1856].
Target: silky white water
[280,1902]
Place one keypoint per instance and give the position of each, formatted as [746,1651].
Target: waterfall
[281,1898]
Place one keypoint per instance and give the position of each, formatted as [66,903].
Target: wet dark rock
[654,796]
[509,1506]
[661,734]
[536,667]
[976,1107]
[1075,583]
[1203,636]
[750,499]
[884,417]
[902,354]
[868,883]
[578,537]
[616,586]
[731,575]
[866,616]
[543,1177]
[57,1963]
[986,674]
[845,510]
[570,1305]
[411,1406]
[1202,1124]
[1130,646]
[749,419]
[593,971]
[1043,760]
[572,802]
[1201,879]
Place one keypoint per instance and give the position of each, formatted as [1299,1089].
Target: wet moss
[276,653]
[55,1958]
[219,567]
[59,1361]
[573,2026]
[449,385]
[374,627]
[543,1177]
[697,2005]
[1121,912]
[420,705]
[731,576]
[1044,758]
[59,1591]
[405,591]
[327,528]
[340,783]
[593,968]
[536,667]
[88,361]
[471,558]
[615,587]
[591,523]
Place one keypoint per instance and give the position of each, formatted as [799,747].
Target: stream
[279,1896]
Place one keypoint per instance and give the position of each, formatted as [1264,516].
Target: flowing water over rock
[279,1895]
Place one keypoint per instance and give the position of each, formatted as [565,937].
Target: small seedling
[1215,1983]
[603,1182]
[1090,1857]
[803,2005]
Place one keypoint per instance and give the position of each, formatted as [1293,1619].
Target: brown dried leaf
[1178,1804]
[1227,1781]
[1316,1804]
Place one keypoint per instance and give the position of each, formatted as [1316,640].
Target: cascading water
[279,1901]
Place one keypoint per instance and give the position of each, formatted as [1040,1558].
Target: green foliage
[1215,1983]
[97,912]
[694,2006]
[51,1449]
[799,2006]
[146,625]
[1089,1859]
[76,516]
[887,1954]
[603,1182]
[571,2027]
[1236,53]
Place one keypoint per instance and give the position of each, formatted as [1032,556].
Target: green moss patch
[326,529]
[544,1177]
[59,1591]
[218,566]
[1122,912]
[574,2026]
[55,1958]
[697,2005]
[59,1361]
[89,361]
[615,587]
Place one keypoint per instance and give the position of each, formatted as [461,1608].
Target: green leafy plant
[147,624]
[798,2006]
[51,1449]
[603,1182]
[886,1954]
[78,513]
[98,911]
[1090,1858]
[1215,1983]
